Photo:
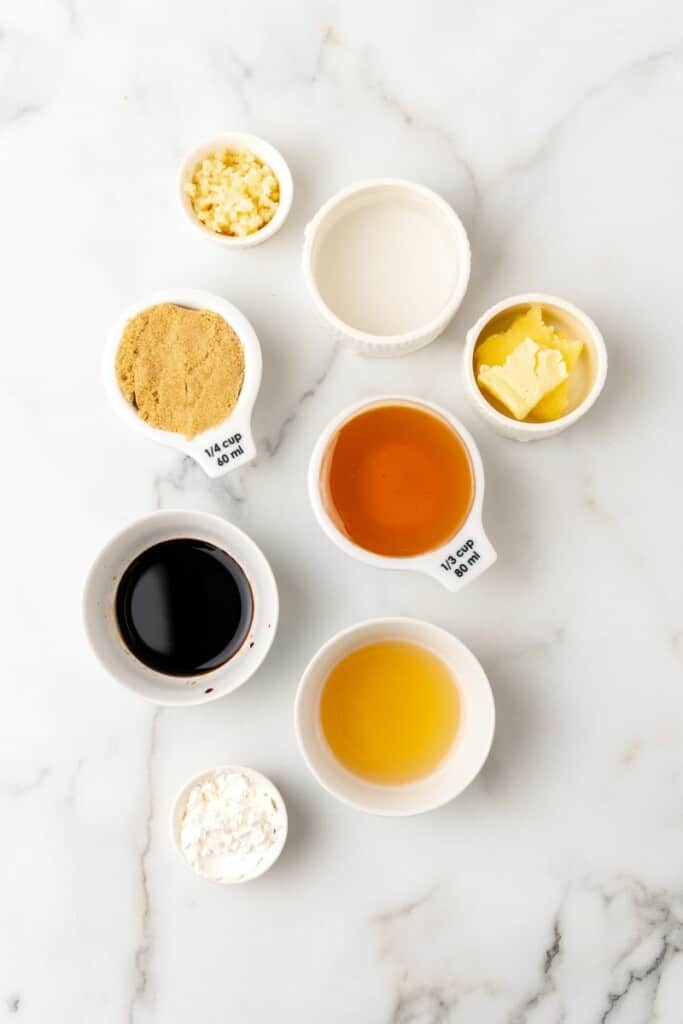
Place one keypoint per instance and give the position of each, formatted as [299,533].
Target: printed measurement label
[225,451]
[462,560]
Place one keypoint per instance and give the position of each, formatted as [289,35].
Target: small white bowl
[223,448]
[359,198]
[265,784]
[463,558]
[99,613]
[238,142]
[470,748]
[594,359]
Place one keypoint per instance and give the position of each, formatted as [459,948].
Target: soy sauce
[184,607]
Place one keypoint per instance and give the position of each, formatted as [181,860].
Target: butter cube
[495,349]
[528,374]
[556,403]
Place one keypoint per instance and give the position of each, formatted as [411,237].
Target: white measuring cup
[464,557]
[222,448]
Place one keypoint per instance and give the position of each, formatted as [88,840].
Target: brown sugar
[181,369]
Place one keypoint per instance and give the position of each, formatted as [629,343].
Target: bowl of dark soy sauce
[181,607]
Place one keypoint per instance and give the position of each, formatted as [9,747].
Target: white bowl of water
[387,264]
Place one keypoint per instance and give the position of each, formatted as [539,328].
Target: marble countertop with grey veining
[552,889]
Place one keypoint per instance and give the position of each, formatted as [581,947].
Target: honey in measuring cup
[397,480]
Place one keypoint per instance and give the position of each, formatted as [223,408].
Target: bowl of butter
[534,365]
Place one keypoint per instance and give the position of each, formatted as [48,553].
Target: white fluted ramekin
[398,344]
[596,354]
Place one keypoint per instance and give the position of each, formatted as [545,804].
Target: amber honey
[390,712]
[397,480]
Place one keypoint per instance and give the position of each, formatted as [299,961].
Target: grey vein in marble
[18,789]
[143,950]
[659,921]
[569,118]
[545,147]
[372,84]
[174,480]
[547,986]
[272,445]
[232,68]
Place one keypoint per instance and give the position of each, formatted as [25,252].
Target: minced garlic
[233,192]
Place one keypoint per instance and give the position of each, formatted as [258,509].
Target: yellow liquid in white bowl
[387,265]
[390,712]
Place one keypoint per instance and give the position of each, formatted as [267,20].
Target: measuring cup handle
[463,559]
[224,449]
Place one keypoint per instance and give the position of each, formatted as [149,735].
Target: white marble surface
[552,890]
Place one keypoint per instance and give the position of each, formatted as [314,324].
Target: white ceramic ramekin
[220,449]
[470,748]
[238,141]
[596,354]
[386,345]
[463,558]
[100,616]
[265,784]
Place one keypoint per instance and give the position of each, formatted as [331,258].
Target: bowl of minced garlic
[534,365]
[185,368]
[235,189]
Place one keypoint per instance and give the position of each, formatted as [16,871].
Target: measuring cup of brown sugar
[184,368]
[398,483]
